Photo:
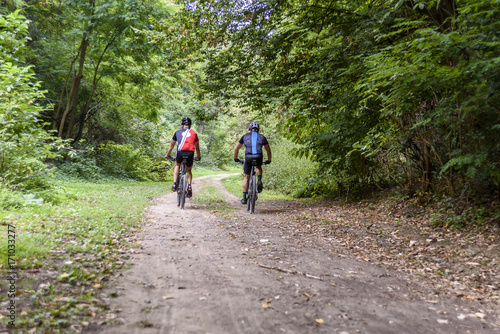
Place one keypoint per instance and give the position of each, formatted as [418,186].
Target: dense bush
[79,165]
[290,173]
[10,199]
[24,145]
[126,161]
[220,152]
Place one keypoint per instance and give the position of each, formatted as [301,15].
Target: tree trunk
[210,138]
[72,119]
[55,119]
[73,95]
[427,167]
[86,107]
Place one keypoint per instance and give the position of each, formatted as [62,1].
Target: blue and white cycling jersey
[253,142]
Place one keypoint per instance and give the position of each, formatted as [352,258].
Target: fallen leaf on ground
[63,276]
[480,315]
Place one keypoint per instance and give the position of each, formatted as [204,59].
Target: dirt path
[197,273]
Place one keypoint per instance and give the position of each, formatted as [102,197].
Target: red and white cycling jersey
[185,139]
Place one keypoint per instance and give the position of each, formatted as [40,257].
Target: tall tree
[380,91]
[98,39]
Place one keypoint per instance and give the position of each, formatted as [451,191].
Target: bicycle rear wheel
[183,188]
[253,194]
[249,192]
[178,191]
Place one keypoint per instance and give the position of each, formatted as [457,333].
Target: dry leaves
[463,263]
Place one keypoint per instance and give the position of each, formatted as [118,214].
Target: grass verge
[65,253]
[211,199]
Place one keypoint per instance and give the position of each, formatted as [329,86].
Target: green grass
[234,185]
[209,195]
[212,200]
[81,239]
[201,171]
[97,213]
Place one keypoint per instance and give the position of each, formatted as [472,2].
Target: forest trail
[198,272]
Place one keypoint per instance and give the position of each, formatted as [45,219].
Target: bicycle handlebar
[267,162]
[173,159]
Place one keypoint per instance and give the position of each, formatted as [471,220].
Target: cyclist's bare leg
[245,183]
[189,174]
[258,171]
[176,171]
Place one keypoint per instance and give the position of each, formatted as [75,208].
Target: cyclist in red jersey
[187,142]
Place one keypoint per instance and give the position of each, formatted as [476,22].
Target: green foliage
[440,88]
[380,93]
[120,75]
[454,214]
[125,161]
[79,165]
[218,141]
[24,145]
[10,199]
[288,172]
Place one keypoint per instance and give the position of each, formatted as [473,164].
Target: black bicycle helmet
[186,121]
[254,125]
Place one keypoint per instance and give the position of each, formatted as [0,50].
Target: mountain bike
[252,186]
[181,181]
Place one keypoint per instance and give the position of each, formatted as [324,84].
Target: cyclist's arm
[197,147]
[268,151]
[172,144]
[237,149]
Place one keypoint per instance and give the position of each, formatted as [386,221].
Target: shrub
[288,172]
[10,200]
[80,165]
[24,145]
[125,161]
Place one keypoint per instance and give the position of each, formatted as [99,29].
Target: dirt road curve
[197,273]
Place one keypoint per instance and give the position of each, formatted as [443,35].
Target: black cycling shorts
[189,155]
[247,166]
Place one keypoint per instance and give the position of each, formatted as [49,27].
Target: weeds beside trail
[65,253]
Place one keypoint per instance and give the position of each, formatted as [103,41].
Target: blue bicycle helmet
[254,126]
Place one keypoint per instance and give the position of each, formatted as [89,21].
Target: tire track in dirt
[198,273]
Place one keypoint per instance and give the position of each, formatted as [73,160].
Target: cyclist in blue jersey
[253,142]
